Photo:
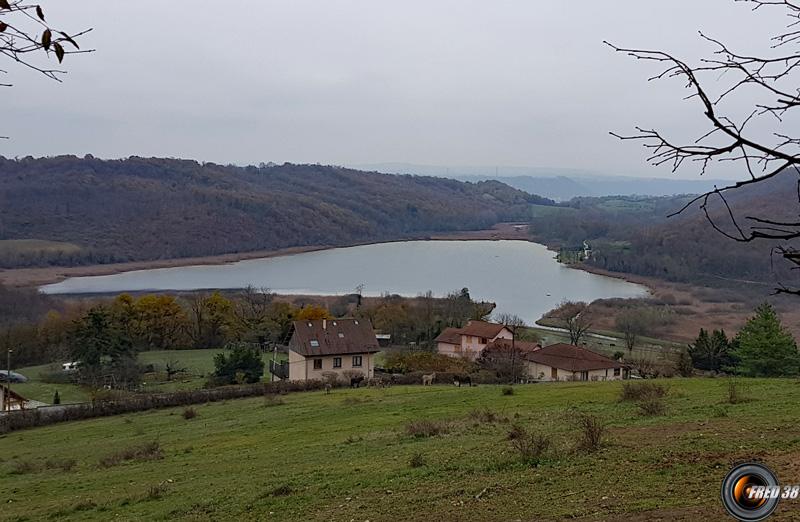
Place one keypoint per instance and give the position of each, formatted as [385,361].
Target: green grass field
[346,456]
[198,364]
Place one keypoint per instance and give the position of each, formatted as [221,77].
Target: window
[317,364]
[616,372]
[356,361]
[337,362]
[314,343]
[484,340]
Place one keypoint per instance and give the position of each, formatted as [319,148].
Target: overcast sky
[460,82]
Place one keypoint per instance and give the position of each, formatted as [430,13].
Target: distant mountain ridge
[556,183]
[151,208]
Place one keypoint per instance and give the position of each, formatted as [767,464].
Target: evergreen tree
[711,352]
[764,348]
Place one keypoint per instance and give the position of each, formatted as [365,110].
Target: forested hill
[145,208]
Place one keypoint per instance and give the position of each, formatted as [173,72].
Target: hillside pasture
[373,454]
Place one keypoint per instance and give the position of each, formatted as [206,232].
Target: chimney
[324,324]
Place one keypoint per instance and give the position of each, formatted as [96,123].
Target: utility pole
[7,404]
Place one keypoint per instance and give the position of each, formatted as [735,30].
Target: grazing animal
[427,380]
[458,380]
[328,388]
[355,382]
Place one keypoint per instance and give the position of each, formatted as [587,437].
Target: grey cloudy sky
[458,82]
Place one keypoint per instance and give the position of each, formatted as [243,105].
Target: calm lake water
[522,278]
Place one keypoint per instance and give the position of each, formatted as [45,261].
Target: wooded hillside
[149,208]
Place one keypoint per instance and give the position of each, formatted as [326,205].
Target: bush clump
[637,391]
[416,460]
[591,430]
[507,390]
[427,428]
[189,413]
[652,407]
[141,452]
[531,446]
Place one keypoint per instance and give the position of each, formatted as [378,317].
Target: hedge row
[128,403]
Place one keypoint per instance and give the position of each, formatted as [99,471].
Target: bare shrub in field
[637,391]
[485,416]
[507,390]
[22,467]
[141,452]
[416,460]
[591,431]
[531,446]
[652,407]
[189,413]
[736,392]
[427,428]
[62,464]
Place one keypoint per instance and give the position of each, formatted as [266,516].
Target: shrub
[531,446]
[485,416]
[272,399]
[427,428]
[591,430]
[142,452]
[189,413]
[416,461]
[636,391]
[652,407]
[156,491]
[242,365]
[62,464]
[736,392]
[281,491]
[56,398]
[507,390]
[21,467]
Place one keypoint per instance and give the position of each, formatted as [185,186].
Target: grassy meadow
[197,363]
[348,456]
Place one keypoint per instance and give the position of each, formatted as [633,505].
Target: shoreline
[39,276]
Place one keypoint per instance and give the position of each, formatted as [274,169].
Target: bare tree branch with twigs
[772,84]
[26,38]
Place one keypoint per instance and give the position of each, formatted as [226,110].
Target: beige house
[566,362]
[470,340]
[326,348]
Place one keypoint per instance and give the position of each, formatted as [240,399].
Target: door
[554,373]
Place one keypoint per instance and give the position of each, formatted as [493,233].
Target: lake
[523,278]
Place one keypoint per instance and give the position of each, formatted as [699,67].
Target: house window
[337,362]
[616,372]
[317,364]
[314,343]
[484,340]
[356,361]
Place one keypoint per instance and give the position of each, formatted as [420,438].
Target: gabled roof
[473,328]
[482,329]
[504,345]
[333,337]
[571,358]
[449,336]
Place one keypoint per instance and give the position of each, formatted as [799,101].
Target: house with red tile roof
[566,362]
[470,340]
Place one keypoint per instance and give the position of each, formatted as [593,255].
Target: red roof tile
[571,358]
